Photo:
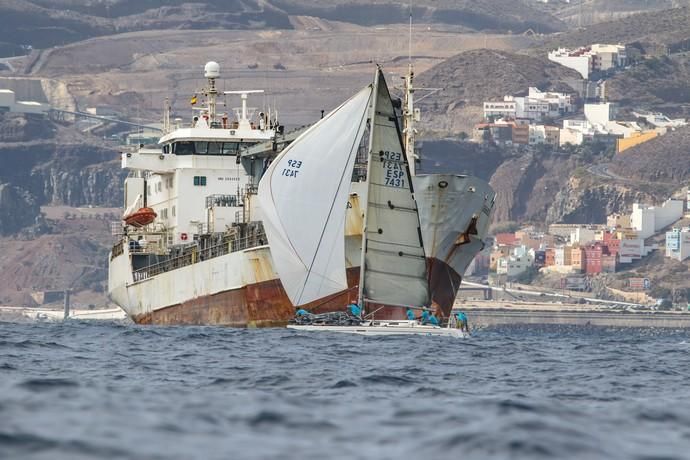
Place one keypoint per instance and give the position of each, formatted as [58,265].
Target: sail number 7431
[292,169]
[394,173]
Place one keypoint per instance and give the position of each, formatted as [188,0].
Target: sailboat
[303,197]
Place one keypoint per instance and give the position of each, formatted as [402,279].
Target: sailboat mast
[408,107]
[408,119]
[372,118]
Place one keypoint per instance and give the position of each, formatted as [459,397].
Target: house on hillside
[678,244]
[591,62]
[648,220]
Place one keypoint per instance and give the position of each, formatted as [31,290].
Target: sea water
[103,390]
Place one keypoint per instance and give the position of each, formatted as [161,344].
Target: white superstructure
[196,180]
[206,238]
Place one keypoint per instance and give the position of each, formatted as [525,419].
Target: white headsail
[303,196]
[394,266]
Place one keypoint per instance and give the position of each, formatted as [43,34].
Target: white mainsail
[394,268]
[303,197]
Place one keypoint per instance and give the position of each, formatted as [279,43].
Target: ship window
[183,148]
[230,148]
[200,148]
[173,211]
[200,180]
[214,148]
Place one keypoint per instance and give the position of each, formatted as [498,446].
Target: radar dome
[212,70]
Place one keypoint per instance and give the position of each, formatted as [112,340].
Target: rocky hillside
[46,23]
[18,209]
[664,160]
[514,16]
[44,163]
[43,24]
[472,77]
[660,83]
[70,253]
[666,28]
[587,12]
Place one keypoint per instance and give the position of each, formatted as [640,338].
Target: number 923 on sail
[292,169]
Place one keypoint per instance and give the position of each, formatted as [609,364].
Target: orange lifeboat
[140,218]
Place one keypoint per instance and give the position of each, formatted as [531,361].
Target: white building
[586,60]
[536,106]
[8,103]
[518,262]
[631,249]
[598,121]
[504,109]
[582,235]
[599,114]
[559,103]
[561,256]
[576,131]
[578,61]
[659,120]
[648,220]
[678,244]
[571,136]
[623,128]
[607,57]
[537,134]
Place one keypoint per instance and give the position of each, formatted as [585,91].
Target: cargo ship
[191,248]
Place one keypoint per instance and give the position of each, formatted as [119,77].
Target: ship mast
[409,130]
[212,71]
[166,116]
[408,106]
[410,114]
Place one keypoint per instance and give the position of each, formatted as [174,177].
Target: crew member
[410,314]
[302,312]
[462,323]
[433,320]
[425,315]
[354,309]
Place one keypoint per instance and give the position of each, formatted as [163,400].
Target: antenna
[409,42]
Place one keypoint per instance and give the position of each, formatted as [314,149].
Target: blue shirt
[302,312]
[425,316]
[461,317]
[410,314]
[355,310]
[433,320]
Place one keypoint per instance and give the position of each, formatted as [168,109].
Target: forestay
[394,263]
[303,196]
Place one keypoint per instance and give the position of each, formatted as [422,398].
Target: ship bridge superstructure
[199,178]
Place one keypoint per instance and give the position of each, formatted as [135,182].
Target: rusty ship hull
[454,214]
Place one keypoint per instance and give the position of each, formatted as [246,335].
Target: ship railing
[192,254]
[118,249]
[223,201]
[116,228]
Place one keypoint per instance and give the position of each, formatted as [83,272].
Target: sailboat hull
[379,328]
